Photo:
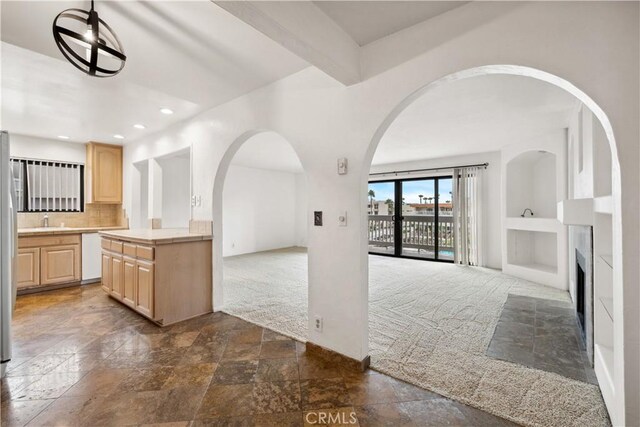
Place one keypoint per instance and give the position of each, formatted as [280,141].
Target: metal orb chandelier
[88,42]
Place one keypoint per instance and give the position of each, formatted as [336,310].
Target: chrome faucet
[525,211]
[45,221]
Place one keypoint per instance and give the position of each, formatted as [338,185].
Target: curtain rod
[485,164]
[30,159]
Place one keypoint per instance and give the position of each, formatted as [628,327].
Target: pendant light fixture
[88,42]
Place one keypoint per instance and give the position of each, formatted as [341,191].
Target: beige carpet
[429,324]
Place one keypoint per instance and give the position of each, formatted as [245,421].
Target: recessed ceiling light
[166,111]
[63,137]
[139,126]
[118,136]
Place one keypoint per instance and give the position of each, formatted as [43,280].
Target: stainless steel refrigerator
[8,251]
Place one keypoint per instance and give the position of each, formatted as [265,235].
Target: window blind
[46,186]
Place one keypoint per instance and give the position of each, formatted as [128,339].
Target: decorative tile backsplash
[94,215]
[200,226]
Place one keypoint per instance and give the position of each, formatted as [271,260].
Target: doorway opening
[449,328]
[264,235]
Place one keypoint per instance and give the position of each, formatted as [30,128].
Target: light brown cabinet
[144,291]
[48,260]
[104,173]
[106,272]
[129,281]
[59,264]
[167,283]
[116,276]
[28,267]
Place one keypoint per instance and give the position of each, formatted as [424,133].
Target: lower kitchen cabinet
[130,282]
[48,260]
[166,283]
[144,291]
[106,272]
[28,267]
[59,264]
[116,276]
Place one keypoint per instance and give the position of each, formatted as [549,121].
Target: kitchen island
[163,274]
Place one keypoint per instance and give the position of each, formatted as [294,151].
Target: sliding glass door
[381,209]
[412,218]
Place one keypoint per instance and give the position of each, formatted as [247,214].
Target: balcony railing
[418,232]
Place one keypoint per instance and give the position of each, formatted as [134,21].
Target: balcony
[418,236]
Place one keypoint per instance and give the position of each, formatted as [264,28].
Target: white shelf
[608,260]
[575,212]
[549,225]
[603,364]
[542,268]
[603,205]
[607,303]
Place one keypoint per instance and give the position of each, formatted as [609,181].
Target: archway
[444,370]
[260,259]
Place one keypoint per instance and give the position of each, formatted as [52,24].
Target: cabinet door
[28,267]
[59,264]
[129,281]
[145,291]
[107,174]
[106,272]
[117,277]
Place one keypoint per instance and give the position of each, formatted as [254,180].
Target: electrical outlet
[342,219]
[342,166]
[318,323]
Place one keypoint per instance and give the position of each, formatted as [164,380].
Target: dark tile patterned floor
[542,334]
[83,359]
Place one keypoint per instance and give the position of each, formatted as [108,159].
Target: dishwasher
[91,258]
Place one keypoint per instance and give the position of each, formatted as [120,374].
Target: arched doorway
[445,344]
[260,201]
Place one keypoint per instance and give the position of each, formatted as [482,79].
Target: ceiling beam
[305,30]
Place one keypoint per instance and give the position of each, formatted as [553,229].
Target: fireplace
[581,279]
[580,294]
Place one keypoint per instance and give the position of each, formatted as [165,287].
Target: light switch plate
[317,218]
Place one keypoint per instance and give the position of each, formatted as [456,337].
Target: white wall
[47,149]
[491,226]
[325,120]
[302,216]
[262,210]
[176,191]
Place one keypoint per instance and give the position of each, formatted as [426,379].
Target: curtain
[467,215]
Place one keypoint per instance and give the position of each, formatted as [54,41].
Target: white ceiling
[367,21]
[268,150]
[185,55]
[474,115]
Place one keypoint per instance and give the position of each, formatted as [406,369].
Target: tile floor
[81,358]
[543,334]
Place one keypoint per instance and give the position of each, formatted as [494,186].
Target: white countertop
[156,236]
[46,231]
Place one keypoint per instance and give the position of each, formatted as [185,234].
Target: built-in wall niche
[140,193]
[531,183]
[536,250]
[176,189]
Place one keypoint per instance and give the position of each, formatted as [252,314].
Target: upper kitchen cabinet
[104,173]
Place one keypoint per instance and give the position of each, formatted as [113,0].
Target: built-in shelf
[575,211]
[604,371]
[607,303]
[533,224]
[542,268]
[608,260]
[603,205]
